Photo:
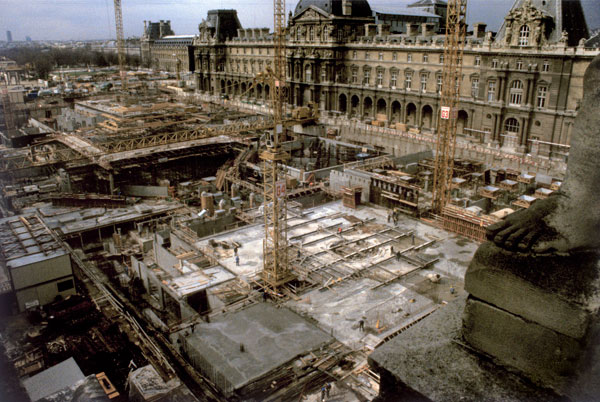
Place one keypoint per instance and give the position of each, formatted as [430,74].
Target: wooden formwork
[466,223]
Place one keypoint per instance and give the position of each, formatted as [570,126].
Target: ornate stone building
[521,86]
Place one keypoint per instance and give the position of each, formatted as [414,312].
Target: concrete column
[111,183]
[404,113]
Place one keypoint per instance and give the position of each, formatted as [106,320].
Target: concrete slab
[270,337]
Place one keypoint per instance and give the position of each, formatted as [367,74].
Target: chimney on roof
[347,7]
[479,29]
[412,29]
[383,30]
[370,30]
[427,29]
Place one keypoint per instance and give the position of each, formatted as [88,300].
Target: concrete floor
[342,301]
[270,337]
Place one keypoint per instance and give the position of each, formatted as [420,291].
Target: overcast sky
[94,19]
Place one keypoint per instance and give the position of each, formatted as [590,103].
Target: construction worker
[397,255]
[237,260]
[323,393]
[235,249]
[327,389]
[361,325]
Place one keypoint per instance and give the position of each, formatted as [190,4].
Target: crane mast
[120,43]
[451,79]
[276,270]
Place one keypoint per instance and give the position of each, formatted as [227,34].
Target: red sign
[445,112]
[280,188]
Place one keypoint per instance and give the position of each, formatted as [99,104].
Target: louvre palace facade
[520,85]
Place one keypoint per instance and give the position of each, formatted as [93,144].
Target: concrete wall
[398,143]
[351,178]
[145,191]
[212,226]
[41,271]
[44,294]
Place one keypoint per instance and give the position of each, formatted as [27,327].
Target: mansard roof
[360,8]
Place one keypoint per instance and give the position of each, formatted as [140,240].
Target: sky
[94,19]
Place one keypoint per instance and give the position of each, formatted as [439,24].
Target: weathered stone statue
[534,301]
[570,220]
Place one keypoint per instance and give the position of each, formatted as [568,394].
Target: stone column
[497,127]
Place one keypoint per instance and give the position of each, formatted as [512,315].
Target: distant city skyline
[93,19]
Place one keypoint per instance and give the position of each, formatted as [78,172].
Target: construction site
[183,246]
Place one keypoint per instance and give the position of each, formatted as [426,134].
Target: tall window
[442,58]
[546,66]
[311,33]
[394,79]
[367,77]
[511,125]
[438,83]
[308,73]
[298,34]
[323,74]
[394,56]
[541,96]
[477,61]
[516,92]
[524,36]
[355,76]
[367,55]
[491,91]
[495,63]
[380,76]
[475,87]
[354,55]
[408,81]
[409,57]
[380,56]
[425,58]
[423,82]
[519,64]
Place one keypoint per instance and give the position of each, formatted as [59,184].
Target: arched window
[511,125]
[516,92]
[524,35]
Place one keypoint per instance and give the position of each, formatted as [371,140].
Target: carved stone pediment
[526,13]
[534,21]
[311,14]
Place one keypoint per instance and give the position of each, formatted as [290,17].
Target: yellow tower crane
[276,270]
[451,79]
[120,43]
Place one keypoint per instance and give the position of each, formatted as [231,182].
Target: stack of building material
[351,196]
[466,223]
